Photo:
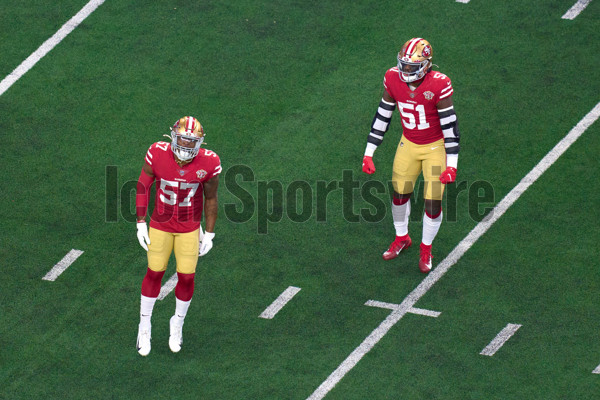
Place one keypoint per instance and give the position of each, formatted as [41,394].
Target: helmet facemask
[185,147]
[412,71]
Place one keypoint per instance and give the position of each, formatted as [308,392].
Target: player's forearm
[142,195]
[449,125]
[379,126]
[210,213]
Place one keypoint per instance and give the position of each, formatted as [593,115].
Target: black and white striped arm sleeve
[449,125]
[380,125]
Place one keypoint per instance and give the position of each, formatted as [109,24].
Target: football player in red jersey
[187,178]
[429,144]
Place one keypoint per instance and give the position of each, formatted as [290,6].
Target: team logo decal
[201,173]
[428,95]
[181,172]
[427,51]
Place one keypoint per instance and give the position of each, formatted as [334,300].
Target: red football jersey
[420,119]
[179,190]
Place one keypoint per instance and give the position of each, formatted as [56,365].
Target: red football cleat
[399,244]
[425,258]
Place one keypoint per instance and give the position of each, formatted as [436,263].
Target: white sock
[146,307]
[430,228]
[181,309]
[400,216]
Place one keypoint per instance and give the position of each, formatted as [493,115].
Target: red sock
[399,201]
[151,283]
[433,216]
[184,290]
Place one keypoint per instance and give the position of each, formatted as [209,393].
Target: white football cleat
[143,340]
[176,334]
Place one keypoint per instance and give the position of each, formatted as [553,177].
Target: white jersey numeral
[162,145]
[171,196]
[188,199]
[409,120]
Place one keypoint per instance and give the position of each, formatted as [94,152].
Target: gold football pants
[162,244]
[411,159]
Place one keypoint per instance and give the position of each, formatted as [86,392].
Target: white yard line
[577,8]
[413,310]
[168,287]
[281,301]
[500,339]
[463,1]
[443,267]
[62,265]
[427,313]
[49,45]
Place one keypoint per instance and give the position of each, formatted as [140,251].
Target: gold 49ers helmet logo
[201,173]
[427,51]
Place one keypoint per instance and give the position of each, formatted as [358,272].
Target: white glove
[142,235]
[206,243]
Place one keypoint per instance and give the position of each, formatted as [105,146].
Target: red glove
[368,166]
[448,176]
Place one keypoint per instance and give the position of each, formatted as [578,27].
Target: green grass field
[287,90]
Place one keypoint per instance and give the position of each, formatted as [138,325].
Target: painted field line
[577,8]
[168,287]
[48,45]
[500,339]
[281,301]
[62,265]
[463,1]
[443,267]
[413,310]
[597,370]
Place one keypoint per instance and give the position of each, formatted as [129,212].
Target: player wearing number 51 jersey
[429,144]
[187,178]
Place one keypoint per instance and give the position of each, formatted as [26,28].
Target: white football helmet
[414,60]
[187,136]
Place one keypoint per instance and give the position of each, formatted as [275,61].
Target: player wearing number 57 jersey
[429,144]
[187,178]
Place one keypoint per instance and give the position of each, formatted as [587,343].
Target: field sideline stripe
[281,301]
[443,267]
[48,45]
[62,265]
[577,8]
